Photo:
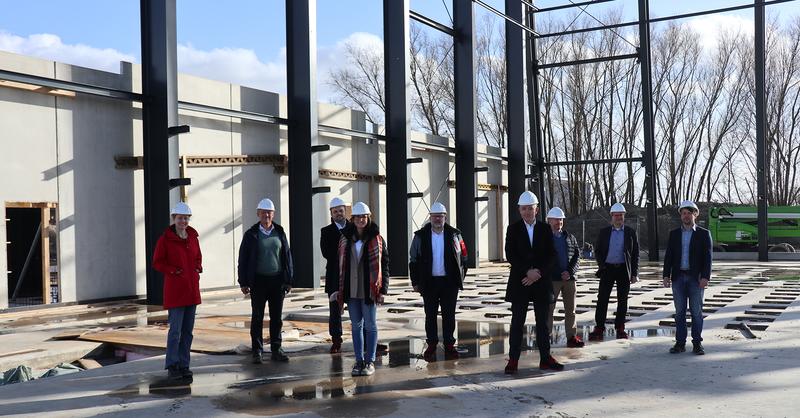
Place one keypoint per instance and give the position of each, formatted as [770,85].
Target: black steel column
[396,72]
[761,131]
[464,76]
[515,109]
[301,88]
[159,112]
[651,180]
[536,143]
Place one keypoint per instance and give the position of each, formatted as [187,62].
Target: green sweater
[269,255]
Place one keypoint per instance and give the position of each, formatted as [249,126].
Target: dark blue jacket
[700,254]
[248,256]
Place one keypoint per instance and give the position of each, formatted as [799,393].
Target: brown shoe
[511,367]
[621,334]
[551,364]
[597,334]
[575,342]
[450,352]
[430,353]
[336,348]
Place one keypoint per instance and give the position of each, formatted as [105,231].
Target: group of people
[544,259]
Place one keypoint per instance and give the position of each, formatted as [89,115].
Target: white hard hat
[336,202]
[266,204]
[361,208]
[181,208]
[617,208]
[688,204]
[527,198]
[437,207]
[556,213]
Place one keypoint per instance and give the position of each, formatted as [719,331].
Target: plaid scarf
[374,252]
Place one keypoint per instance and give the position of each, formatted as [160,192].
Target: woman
[363,280]
[178,257]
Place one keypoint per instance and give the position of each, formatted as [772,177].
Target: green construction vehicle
[735,228]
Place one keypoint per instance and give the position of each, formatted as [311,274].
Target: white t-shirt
[437,247]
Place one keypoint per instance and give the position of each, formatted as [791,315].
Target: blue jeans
[687,288]
[363,323]
[179,337]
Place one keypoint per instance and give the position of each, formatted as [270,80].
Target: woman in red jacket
[178,257]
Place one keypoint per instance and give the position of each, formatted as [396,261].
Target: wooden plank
[30,204]
[26,351]
[89,364]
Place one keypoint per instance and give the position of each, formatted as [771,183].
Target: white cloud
[710,27]
[51,47]
[234,65]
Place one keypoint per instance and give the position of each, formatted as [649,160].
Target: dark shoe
[450,352]
[575,342]
[173,372]
[597,334]
[621,334]
[511,367]
[430,353]
[279,355]
[551,364]
[358,369]
[185,372]
[336,348]
[257,359]
[698,349]
[677,348]
[369,369]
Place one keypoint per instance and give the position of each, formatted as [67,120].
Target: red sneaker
[511,367]
[430,353]
[450,352]
[597,334]
[575,342]
[621,334]
[551,364]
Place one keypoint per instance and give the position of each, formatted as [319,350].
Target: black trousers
[613,274]
[335,322]
[440,292]
[266,290]
[519,312]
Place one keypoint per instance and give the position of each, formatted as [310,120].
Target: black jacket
[370,233]
[248,256]
[700,254]
[573,257]
[523,257]
[329,245]
[631,250]
[421,257]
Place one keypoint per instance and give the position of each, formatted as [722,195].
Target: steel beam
[425,20]
[650,176]
[52,83]
[515,109]
[301,88]
[534,115]
[761,130]
[464,76]
[591,162]
[589,61]
[572,4]
[159,112]
[396,45]
[508,19]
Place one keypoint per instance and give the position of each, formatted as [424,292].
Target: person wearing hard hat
[617,256]
[687,268]
[530,251]
[437,263]
[363,280]
[329,245]
[565,266]
[178,257]
[266,274]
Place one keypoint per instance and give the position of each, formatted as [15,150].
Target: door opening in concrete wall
[32,253]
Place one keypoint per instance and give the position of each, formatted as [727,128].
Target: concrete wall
[61,150]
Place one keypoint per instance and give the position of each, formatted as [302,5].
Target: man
[617,255]
[529,250]
[687,267]
[437,259]
[265,273]
[329,244]
[565,266]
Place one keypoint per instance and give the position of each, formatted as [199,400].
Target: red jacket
[173,254]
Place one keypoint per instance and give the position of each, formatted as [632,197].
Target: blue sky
[216,36]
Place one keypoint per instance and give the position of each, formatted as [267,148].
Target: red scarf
[374,254]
